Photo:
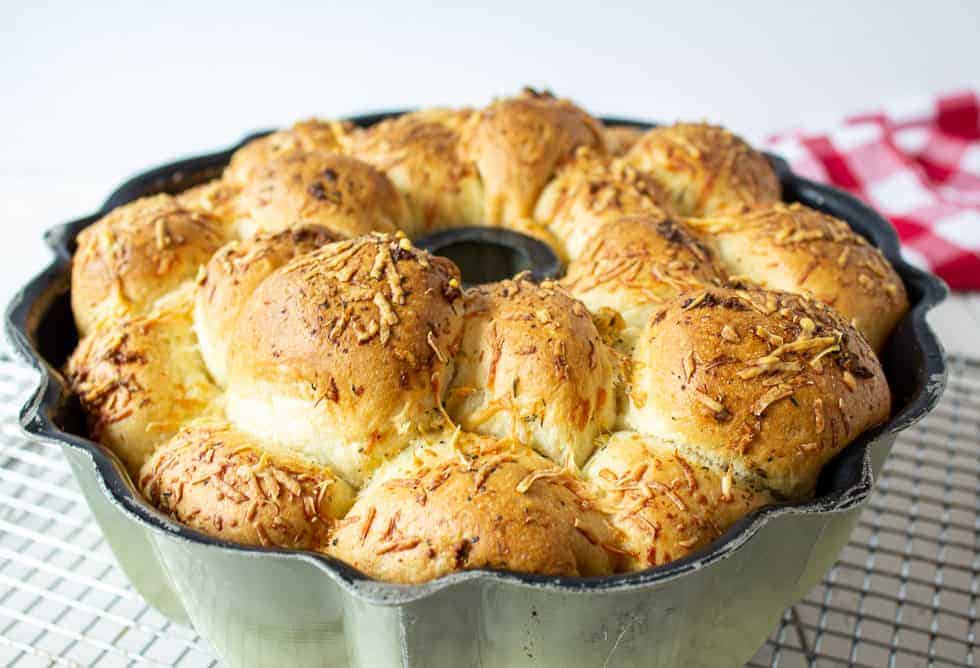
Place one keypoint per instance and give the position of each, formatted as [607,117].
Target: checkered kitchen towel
[919,165]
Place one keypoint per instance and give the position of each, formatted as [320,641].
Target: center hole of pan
[490,254]
[486,262]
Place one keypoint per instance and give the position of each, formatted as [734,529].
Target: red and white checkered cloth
[918,165]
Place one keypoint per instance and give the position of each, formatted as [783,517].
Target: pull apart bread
[277,364]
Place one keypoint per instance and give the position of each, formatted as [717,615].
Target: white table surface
[93,92]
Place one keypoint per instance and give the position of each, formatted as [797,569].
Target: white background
[91,93]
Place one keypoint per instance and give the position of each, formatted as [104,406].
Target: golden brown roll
[707,169]
[794,248]
[312,135]
[320,188]
[217,480]
[216,199]
[619,139]
[140,381]
[532,367]
[136,254]
[767,385]
[591,191]
[468,502]
[518,144]
[233,274]
[637,263]
[420,153]
[665,505]
[256,167]
[286,369]
[343,354]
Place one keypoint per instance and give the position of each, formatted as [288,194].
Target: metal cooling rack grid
[63,600]
[904,592]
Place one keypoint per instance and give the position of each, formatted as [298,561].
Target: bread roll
[216,199]
[665,505]
[320,188]
[794,248]
[638,263]
[708,170]
[518,144]
[309,136]
[343,354]
[466,502]
[766,385]
[420,153]
[532,367]
[594,190]
[277,365]
[140,381]
[619,139]
[232,275]
[135,255]
[219,481]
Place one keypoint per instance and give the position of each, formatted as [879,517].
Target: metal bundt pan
[268,607]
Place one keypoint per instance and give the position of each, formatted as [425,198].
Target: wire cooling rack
[904,592]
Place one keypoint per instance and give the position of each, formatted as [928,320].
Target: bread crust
[533,367]
[321,188]
[216,199]
[619,139]
[135,255]
[233,274]
[474,502]
[277,364]
[420,153]
[353,341]
[707,169]
[308,136]
[637,263]
[140,381]
[768,386]
[795,248]
[593,190]
[664,504]
[215,479]
[517,145]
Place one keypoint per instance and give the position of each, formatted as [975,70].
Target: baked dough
[277,364]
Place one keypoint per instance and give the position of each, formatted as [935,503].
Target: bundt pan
[268,607]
